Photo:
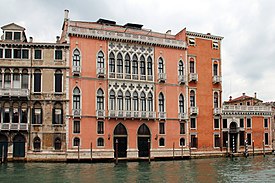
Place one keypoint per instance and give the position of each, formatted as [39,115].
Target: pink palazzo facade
[137,93]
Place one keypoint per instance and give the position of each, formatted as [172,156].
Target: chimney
[208,33]
[31,39]
[168,32]
[255,95]
[57,39]
[230,98]
[243,94]
[66,14]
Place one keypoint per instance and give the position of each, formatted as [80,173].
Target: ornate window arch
[112,99]
[192,98]
[161,65]
[112,62]
[58,75]
[100,99]
[150,101]
[128,101]
[57,113]
[76,58]
[142,66]
[36,144]
[161,102]
[143,101]
[119,100]
[135,101]
[216,100]
[119,63]
[100,60]
[76,98]
[127,66]
[135,65]
[181,68]
[149,66]
[181,103]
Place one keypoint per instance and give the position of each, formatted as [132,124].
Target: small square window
[161,128]
[224,123]
[58,54]
[25,54]
[241,123]
[100,127]
[17,35]
[193,123]
[249,139]
[8,36]
[215,45]
[248,123]
[76,127]
[266,139]
[182,128]
[191,41]
[17,53]
[265,123]
[7,53]
[37,54]
[216,140]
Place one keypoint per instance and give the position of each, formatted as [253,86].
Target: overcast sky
[248,28]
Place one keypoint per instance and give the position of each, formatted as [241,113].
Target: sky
[248,28]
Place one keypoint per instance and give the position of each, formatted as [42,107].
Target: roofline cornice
[207,36]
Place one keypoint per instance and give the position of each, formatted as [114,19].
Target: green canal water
[251,169]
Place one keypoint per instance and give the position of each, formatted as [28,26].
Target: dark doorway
[233,134]
[19,146]
[120,136]
[144,137]
[3,147]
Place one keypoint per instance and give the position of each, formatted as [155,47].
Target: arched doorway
[144,136]
[19,146]
[233,135]
[3,146]
[120,136]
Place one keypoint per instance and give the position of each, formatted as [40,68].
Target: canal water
[251,169]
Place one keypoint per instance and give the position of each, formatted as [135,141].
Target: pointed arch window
[135,101]
[216,100]
[150,102]
[192,98]
[120,100]
[36,144]
[143,101]
[161,102]
[181,103]
[181,68]
[100,60]
[142,65]
[76,58]
[149,66]
[192,66]
[127,64]
[100,99]
[57,143]
[119,63]
[128,101]
[135,65]
[112,62]
[58,80]
[112,100]
[160,66]
[76,98]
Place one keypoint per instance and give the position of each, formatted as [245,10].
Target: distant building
[247,118]
[133,90]
[33,96]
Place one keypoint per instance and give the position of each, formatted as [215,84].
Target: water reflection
[257,169]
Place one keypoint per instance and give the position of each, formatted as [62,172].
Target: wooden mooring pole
[78,156]
[116,151]
[173,150]
[91,151]
[263,149]
[253,147]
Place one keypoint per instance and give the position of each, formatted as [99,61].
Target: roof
[242,98]
[12,26]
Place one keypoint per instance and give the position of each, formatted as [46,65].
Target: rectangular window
[265,138]
[215,69]
[76,128]
[1,53]
[216,140]
[17,53]
[182,128]
[37,54]
[17,35]
[193,123]
[7,53]
[242,138]
[215,45]
[265,123]
[8,35]
[100,127]
[16,81]
[24,114]
[249,139]
[15,116]
[248,123]
[191,41]
[241,123]
[25,54]
[57,116]
[37,82]
[161,128]
[194,141]
[37,116]
[224,123]
[6,115]
[25,81]
[58,82]
[224,138]
[58,55]
[7,80]
[216,123]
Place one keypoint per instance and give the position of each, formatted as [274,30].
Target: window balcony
[101,72]
[181,79]
[76,70]
[76,113]
[161,77]
[217,79]
[100,114]
[193,77]
[194,111]
[183,116]
[162,115]
[217,111]
[14,126]
[151,115]
[14,92]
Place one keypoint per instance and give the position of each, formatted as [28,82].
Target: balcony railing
[143,114]
[193,77]
[183,116]
[246,108]
[133,114]
[14,92]
[112,75]
[136,114]
[100,113]
[76,70]
[234,130]
[149,77]
[181,79]
[76,112]
[217,79]
[162,115]
[151,115]
[194,110]
[14,126]
[161,77]
[100,72]
[217,111]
